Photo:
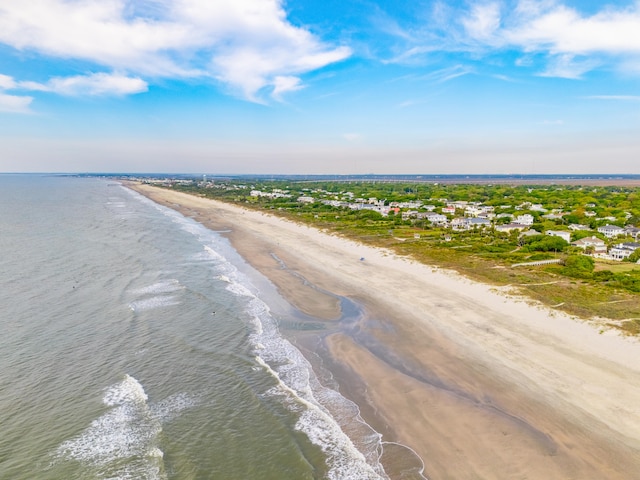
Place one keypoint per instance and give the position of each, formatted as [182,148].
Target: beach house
[593,244]
[623,250]
[632,232]
[611,231]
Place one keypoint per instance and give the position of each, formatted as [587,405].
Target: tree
[545,243]
[634,257]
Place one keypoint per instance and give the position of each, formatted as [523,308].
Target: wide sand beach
[478,383]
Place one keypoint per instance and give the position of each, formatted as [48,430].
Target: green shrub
[545,243]
[578,266]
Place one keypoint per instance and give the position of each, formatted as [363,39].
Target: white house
[478,222]
[623,250]
[410,214]
[599,246]
[525,219]
[436,218]
[449,209]
[611,231]
[460,223]
[577,226]
[632,232]
[473,210]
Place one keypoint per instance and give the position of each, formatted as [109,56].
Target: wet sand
[479,384]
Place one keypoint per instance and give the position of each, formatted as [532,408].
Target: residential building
[597,245]
[611,231]
[577,226]
[525,219]
[632,232]
[478,222]
[460,223]
[623,250]
[436,218]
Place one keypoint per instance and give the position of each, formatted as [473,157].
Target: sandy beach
[480,384]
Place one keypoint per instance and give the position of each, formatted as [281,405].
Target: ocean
[137,344]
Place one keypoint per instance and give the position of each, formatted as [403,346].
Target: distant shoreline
[620,180]
[478,384]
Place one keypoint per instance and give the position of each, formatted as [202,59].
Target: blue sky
[307,86]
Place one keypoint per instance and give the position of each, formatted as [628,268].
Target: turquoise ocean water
[136,344]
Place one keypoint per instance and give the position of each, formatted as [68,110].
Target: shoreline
[478,384]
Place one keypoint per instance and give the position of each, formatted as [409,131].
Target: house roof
[610,227]
[588,241]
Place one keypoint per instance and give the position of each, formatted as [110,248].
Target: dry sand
[479,384]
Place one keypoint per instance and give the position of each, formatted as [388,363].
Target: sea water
[137,344]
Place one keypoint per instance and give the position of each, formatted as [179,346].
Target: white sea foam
[301,391]
[126,434]
[128,391]
[166,286]
[172,406]
[123,442]
[213,254]
[154,302]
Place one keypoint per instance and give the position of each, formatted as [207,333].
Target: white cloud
[483,21]
[563,30]
[568,41]
[246,44]
[574,43]
[96,84]
[6,82]
[285,84]
[566,66]
[445,74]
[14,103]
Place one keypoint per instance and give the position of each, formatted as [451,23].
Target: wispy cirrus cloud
[569,42]
[247,45]
[446,74]
[620,98]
